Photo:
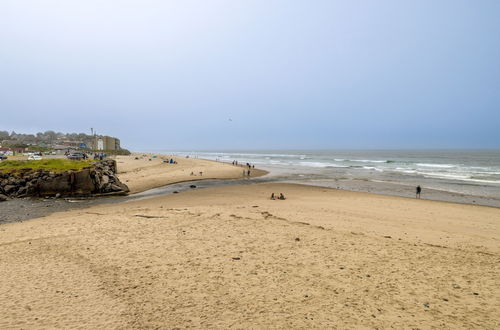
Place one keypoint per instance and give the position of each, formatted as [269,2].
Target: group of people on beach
[235,163]
[280,197]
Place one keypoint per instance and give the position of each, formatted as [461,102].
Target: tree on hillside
[4,135]
[51,136]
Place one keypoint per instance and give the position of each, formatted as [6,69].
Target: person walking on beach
[419,190]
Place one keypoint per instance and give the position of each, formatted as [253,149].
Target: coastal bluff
[98,179]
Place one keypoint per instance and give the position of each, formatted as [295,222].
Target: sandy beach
[229,257]
[147,172]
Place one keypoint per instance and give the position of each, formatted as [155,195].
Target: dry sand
[146,172]
[229,257]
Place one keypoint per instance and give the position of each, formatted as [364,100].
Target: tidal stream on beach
[20,209]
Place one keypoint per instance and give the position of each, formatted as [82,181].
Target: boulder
[103,182]
[10,188]
[22,191]
[83,184]
[13,180]
[3,198]
[119,187]
[32,189]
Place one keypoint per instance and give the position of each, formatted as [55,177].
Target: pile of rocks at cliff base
[99,179]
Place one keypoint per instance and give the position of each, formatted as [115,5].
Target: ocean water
[474,172]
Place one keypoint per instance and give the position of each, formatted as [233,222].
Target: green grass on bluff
[53,165]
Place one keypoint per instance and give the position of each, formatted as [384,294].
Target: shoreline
[459,172]
[16,210]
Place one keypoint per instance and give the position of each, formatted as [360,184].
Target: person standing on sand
[419,190]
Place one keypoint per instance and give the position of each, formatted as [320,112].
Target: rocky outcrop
[99,179]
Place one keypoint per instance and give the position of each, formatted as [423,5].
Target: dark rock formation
[99,179]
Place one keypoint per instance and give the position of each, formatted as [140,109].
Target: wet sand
[346,180]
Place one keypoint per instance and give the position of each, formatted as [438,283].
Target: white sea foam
[362,160]
[455,176]
[372,168]
[370,161]
[436,165]
[316,164]
[337,166]
[445,175]
[482,181]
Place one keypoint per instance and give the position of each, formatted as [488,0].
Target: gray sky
[289,74]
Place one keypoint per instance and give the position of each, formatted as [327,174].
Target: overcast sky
[255,74]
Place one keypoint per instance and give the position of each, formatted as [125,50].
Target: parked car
[35,157]
[76,156]
[3,157]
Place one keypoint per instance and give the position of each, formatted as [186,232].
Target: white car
[35,157]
